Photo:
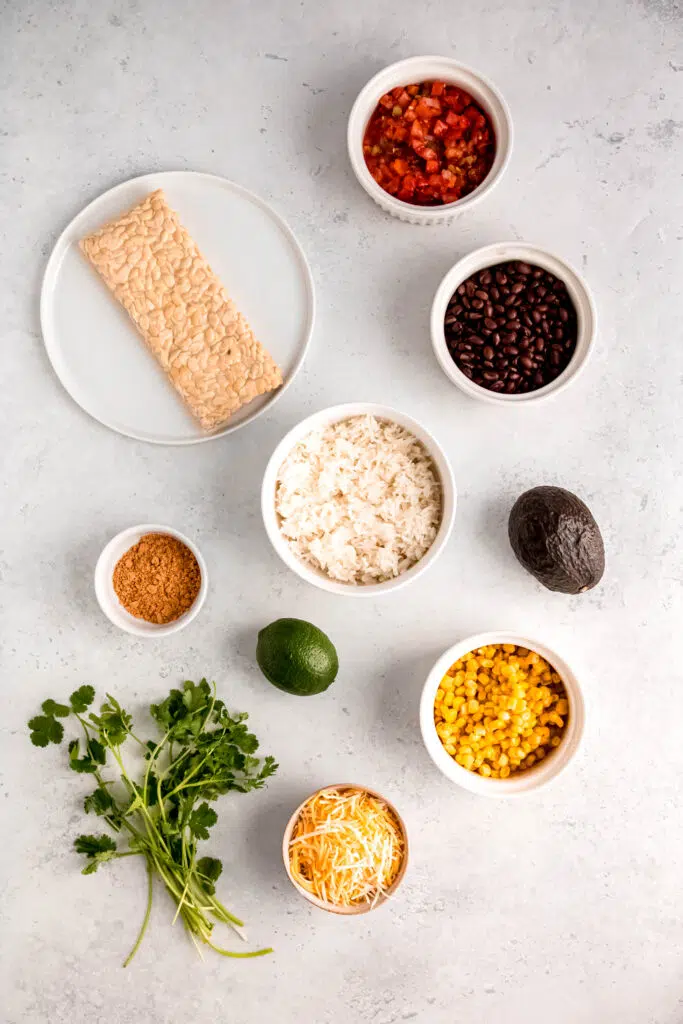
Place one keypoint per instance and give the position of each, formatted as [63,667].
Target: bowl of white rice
[358,499]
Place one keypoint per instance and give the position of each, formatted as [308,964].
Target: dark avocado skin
[556,538]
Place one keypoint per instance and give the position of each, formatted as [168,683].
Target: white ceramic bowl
[522,782]
[106,595]
[333,908]
[501,252]
[409,72]
[323,419]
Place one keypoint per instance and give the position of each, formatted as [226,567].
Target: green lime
[297,657]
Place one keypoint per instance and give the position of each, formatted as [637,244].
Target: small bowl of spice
[501,714]
[512,323]
[345,849]
[150,580]
[429,137]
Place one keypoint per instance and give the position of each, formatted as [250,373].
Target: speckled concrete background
[564,907]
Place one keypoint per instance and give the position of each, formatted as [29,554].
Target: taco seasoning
[158,579]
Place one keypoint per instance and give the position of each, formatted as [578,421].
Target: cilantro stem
[238,956]
[148,911]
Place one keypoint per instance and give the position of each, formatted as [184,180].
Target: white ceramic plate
[96,351]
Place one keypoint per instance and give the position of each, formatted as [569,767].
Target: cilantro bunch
[165,811]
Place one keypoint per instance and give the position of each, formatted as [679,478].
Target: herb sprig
[203,753]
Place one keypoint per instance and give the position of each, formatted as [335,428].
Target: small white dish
[410,72]
[489,256]
[94,346]
[333,908]
[106,595]
[323,419]
[522,782]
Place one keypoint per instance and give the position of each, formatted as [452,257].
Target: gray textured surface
[564,907]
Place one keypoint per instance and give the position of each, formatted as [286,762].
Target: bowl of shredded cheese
[346,849]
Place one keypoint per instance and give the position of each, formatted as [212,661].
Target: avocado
[556,538]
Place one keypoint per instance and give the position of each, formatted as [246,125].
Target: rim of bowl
[332,908]
[533,778]
[106,595]
[337,414]
[404,72]
[489,256]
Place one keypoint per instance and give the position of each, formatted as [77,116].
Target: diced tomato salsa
[429,144]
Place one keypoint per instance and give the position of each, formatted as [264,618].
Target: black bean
[511,327]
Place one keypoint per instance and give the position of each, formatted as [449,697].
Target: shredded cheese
[346,848]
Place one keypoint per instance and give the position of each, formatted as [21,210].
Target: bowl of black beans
[512,323]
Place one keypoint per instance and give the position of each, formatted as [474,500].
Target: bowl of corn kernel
[501,714]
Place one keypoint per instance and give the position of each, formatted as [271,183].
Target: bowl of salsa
[428,137]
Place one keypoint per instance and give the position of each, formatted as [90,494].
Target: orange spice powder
[158,579]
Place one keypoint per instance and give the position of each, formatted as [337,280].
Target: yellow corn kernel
[500,709]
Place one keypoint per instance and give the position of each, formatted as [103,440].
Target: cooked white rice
[360,499]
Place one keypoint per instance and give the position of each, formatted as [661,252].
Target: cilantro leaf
[80,764]
[91,846]
[98,850]
[100,802]
[201,820]
[113,722]
[52,708]
[45,729]
[97,751]
[209,870]
[81,699]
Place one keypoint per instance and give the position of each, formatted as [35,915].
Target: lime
[297,657]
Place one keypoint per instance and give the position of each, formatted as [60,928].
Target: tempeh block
[181,309]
